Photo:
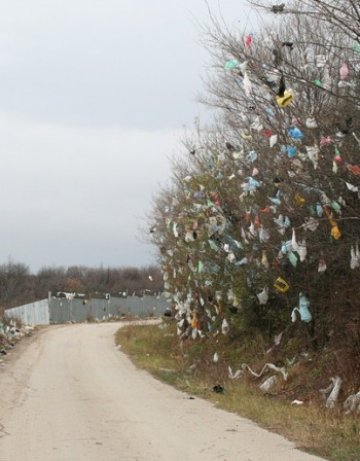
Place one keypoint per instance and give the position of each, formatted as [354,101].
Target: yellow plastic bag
[281,285]
[284,100]
[299,200]
[335,232]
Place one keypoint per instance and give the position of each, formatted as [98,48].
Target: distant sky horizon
[94,100]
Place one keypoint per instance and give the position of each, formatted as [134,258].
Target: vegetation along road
[72,396]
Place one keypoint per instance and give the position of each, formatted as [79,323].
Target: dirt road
[72,396]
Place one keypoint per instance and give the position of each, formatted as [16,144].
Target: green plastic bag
[356,47]
[232,64]
[292,258]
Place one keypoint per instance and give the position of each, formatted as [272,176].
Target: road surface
[72,396]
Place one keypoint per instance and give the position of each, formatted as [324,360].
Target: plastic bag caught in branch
[322,265]
[264,260]
[344,71]
[225,327]
[311,224]
[311,123]
[313,155]
[352,403]
[294,244]
[351,187]
[354,257]
[281,285]
[333,389]
[283,222]
[302,250]
[335,232]
[263,296]
[273,140]
[292,258]
[267,366]
[247,85]
[248,40]
[232,64]
[236,375]
[295,133]
[268,384]
[175,230]
[278,8]
[264,234]
[303,309]
[283,97]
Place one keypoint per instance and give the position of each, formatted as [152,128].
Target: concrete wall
[31,314]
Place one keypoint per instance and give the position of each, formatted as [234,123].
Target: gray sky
[94,95]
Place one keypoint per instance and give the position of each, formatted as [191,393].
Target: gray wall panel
[31,314]
[61,310]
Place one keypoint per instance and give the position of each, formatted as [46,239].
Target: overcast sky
[94,95]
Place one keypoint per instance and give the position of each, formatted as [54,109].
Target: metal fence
[36,313]
[76,310]
[62,310]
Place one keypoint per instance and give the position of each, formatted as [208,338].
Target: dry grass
[156,349]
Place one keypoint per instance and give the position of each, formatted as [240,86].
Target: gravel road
[70,395]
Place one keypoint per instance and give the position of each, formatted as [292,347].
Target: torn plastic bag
[344,71]
[281,285]
[232,64]
[295,133]
[303,309]
[311,123]
[285,100]
[322,266]
[263,296]
[354,257]
[292,258]
[273,140]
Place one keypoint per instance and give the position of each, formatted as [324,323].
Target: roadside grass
[156,349]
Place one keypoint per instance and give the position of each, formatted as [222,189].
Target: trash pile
[263,218]
[10,333]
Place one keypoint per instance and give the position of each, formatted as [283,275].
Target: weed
[190,368]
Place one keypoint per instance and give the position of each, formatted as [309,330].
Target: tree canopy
[260,228]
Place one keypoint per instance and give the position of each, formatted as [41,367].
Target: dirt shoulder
[191,368]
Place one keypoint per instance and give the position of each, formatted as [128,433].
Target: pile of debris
[11,331]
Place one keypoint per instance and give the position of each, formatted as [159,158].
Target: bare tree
[264,212]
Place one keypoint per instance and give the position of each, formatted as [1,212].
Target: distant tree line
[19,286]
